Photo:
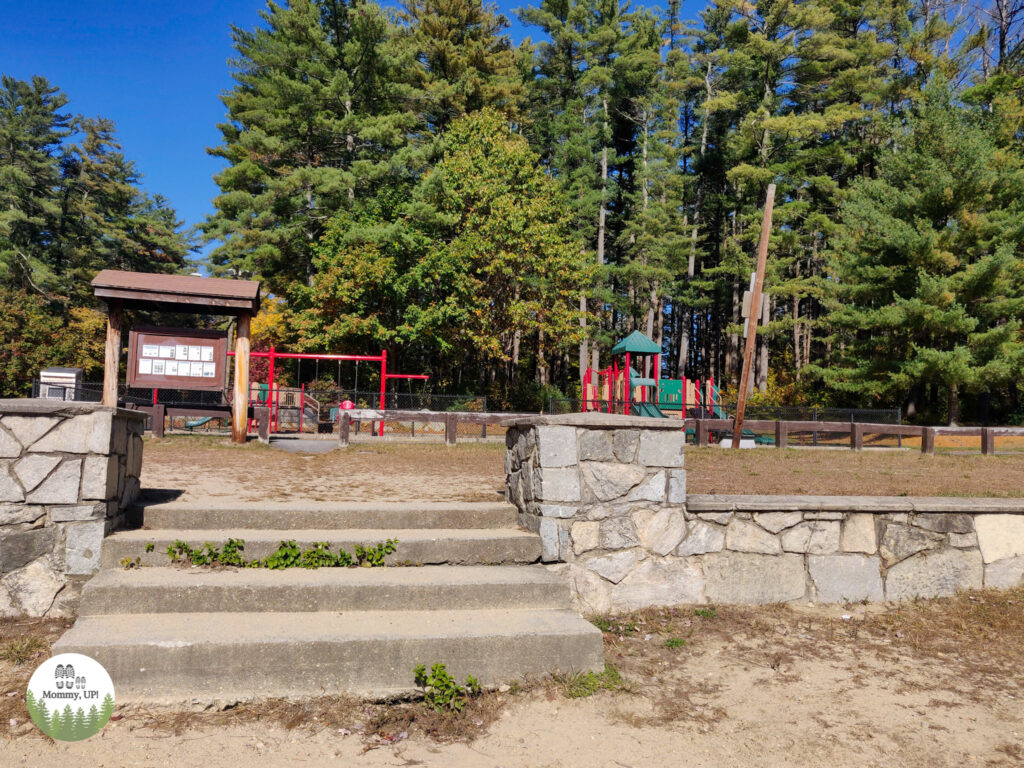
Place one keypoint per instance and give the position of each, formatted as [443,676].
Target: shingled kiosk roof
[178,293]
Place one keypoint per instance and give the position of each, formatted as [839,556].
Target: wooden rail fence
[856,430]
[451,420]
[702,428]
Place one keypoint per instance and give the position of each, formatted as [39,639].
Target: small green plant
[675,642]
[585,684]
[208,554]
[150,546]
[373,557]
[231,554]
[128,563]
[319,556]
[706,613]
[22,649]
[440,691]
[288,555]
[179,551]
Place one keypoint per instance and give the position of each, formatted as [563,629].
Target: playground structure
[296,406]
[605,390]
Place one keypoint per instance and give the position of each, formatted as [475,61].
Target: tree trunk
[953,405]
[732,349]
[797,345]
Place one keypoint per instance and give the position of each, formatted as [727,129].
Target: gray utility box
[60,383]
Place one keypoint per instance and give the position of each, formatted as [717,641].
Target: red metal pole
[271,398]
[155,390]
[383,385]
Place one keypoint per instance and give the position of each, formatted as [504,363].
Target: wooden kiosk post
[183,294]
[112,352]
[240,401]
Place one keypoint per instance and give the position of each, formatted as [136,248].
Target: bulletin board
[177,358]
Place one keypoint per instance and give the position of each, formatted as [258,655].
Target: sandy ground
[925,685]
[929,686]
[367,471]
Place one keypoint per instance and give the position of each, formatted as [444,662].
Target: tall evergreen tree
[283,140]
[32,129]
[929,287]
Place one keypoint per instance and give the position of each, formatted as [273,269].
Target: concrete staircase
[471,597]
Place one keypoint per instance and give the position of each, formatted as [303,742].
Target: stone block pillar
[68,472]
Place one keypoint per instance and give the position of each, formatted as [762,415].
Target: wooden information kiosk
[185,358]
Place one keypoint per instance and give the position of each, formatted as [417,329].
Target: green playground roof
[637,344]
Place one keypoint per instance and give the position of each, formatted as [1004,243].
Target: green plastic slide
[648,409]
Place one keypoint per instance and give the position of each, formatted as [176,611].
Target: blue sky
[155,68]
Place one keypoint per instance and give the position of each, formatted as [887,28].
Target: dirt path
[927,685]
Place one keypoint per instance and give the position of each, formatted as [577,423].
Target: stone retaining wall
[68,471]
[607,495]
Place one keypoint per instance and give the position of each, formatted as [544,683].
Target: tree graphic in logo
[70,704]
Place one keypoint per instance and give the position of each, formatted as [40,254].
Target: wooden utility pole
[240,402]
[112,352]
[755,315]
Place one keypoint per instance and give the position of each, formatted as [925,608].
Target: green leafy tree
[29,328]
[510,267]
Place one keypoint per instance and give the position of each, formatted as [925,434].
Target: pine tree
[463,61]
[78,731]
[31,132]
[283,142]
[92,720]
[67,724]
[106,709]
[54,728]
[929,292]
[561,125]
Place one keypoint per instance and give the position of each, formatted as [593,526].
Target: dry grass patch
[377,724]
[844,472]
[24,644]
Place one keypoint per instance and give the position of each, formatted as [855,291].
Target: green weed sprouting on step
[288,555]
[179,552]
[129,563]
[373,557]
[150,546]
[319,556]
[231,554]
[440,691]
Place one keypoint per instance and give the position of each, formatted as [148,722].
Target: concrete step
[434,588]
[469,546]
[173,657]
[278,515]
